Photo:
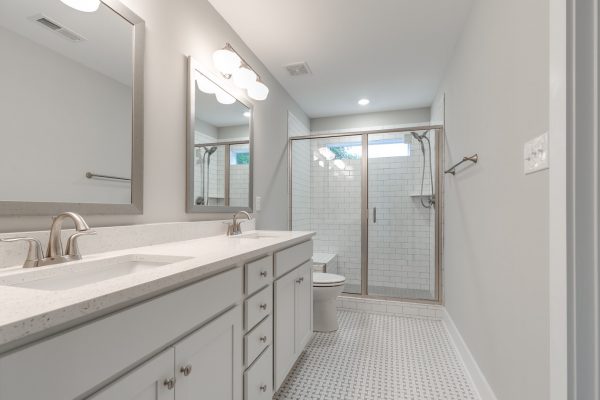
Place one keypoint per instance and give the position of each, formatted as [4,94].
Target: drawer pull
[263,388]
[264,274]
[186,371]
[263,339]
[169,383]
[263,306]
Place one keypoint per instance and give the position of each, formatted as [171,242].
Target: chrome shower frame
[438,208]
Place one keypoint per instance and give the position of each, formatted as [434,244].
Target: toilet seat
[321,279]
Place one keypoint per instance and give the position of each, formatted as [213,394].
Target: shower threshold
[385,291]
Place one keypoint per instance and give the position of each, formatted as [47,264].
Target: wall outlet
[535,154]
[257,203]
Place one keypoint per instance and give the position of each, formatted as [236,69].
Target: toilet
[326,288]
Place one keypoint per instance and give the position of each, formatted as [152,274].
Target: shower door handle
[374,215]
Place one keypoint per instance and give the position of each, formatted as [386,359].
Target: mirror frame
[137,156]
[191,207]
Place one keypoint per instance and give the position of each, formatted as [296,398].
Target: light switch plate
[257,205]
[535,154]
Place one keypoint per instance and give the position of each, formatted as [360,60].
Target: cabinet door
[283,335]
[208,363]
[150,381]
[303,308]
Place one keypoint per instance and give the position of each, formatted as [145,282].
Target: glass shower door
[326,190]
[401,224]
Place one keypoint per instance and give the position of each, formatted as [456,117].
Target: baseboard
[477,377]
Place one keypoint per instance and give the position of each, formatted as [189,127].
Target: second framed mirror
[219,147]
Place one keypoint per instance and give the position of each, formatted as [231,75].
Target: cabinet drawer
[288,259]
[100,350]
[258,378]
[258,274]
[257,340]
[258,307]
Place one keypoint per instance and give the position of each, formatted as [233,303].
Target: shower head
[419,137]
[210,150]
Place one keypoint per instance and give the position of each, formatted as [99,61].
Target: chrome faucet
[234,228]
[54,253]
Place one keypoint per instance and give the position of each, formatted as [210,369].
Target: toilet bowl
[326,289]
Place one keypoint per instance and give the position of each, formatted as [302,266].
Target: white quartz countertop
[28,314]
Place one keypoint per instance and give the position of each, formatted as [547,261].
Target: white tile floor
[379,357]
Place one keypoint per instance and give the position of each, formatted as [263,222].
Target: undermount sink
[87,272]
[255,235]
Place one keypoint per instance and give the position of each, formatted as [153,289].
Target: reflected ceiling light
[258,91]
[247,114]
[328,154]
[224,97]
[244,77]
[364,102]
[83,5]
[206,85]
[340,164]
[232,66]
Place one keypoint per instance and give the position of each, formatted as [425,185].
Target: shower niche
[219,146]
[373,198]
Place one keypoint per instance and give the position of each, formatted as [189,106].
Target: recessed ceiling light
[364,102]
[247,114]
[83,5]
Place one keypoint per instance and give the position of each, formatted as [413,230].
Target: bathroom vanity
[216,318]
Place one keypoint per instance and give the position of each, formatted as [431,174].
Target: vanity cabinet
[231,336]
[205,364]
[293,307]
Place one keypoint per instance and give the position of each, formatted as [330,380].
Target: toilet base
[325,308]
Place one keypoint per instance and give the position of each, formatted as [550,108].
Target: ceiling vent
[298,69]
[57,28]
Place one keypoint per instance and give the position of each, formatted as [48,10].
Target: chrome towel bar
[90,175]
[452,170]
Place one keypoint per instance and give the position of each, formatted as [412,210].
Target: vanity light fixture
[224,98]
[364,102]
[232,66]
[247,114]
[83,5]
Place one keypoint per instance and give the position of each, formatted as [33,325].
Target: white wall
[496,218]
[50,104]
[370,120]
[174,30]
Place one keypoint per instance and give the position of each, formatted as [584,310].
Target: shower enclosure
[373,199]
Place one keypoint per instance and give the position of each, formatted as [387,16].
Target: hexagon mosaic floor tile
[379,357]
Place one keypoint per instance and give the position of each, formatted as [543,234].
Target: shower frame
[439,202]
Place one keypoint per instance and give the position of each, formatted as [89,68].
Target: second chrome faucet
[54,252]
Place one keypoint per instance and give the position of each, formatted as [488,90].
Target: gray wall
[174,30]
[496,218]
[369,120]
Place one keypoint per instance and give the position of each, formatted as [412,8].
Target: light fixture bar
[245,64]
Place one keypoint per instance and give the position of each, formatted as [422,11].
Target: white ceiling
[393,52]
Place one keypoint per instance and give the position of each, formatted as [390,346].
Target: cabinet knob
[263,339]
[169,383]
[264,274]
[300,280]
[263,388]
[186,370]
[263,306]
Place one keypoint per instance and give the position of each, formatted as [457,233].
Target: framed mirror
[219,147]
[71,107]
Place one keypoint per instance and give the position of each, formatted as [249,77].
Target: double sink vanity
[220,317]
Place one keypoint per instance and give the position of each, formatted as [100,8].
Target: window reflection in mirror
[221,140]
